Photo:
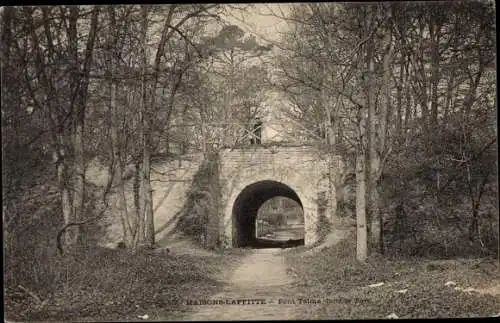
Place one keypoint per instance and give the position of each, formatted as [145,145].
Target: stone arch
[247,204]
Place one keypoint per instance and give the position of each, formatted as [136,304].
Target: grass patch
[104,284]
[334,274]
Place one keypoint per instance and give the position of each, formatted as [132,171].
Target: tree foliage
[408,87]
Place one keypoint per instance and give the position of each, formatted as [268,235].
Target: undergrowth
[200,213]
[334,273]
[104,284]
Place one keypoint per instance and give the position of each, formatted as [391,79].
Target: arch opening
[245,214]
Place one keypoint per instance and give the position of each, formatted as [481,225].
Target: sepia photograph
[250,161]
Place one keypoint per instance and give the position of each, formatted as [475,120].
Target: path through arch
[246,207]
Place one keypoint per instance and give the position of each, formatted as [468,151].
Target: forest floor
[102,284]
[265,284]
[330,285]
[384,288]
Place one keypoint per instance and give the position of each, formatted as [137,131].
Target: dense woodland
[405,92]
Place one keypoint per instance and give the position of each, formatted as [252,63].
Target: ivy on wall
[199,217]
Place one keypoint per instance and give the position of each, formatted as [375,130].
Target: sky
[260,19]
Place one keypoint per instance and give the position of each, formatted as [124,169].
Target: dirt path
[260,280]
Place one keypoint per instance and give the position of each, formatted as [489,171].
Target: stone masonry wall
[301,168]
[170,182]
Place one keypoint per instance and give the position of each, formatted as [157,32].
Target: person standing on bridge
[257,132]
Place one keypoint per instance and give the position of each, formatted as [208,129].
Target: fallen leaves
[392,316]
[116,285]
[450,283]
[406,289]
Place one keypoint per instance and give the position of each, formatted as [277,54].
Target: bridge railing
[216,135]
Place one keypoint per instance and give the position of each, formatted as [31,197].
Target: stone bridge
[252,175]
[248,177]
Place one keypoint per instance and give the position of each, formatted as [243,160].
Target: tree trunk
[475,204]
[434,34]
[422,81]
[362,242]
[362,158]
[399,99]
[408,110]
[137,204]
[7,16]
[473,227]
[372,157]
[470,97]
[80,88]
[385,111]
[120,169]
[147,192]
[79,186]
[118,150]
[58,136]
[66,206]
[449,95]
[78,119]
[330,118]
[147,110]
[140,236]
